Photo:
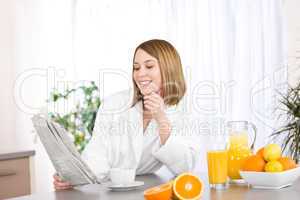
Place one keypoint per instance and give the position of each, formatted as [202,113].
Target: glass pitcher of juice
[239,148]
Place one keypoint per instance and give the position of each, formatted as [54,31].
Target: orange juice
[237,139]
[237,154]
[236,159]
[217,166]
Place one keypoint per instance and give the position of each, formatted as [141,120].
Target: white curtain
[43,60]
[233,53]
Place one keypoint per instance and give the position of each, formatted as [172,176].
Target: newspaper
[62,152]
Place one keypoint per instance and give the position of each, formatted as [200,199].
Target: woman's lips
[144,83]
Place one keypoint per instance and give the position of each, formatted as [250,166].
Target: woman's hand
[59,184]
[154,104]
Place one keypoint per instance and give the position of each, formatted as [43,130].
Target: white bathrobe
[118,140]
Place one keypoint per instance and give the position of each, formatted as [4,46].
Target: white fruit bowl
[268,180]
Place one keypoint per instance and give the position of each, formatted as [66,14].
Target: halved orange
[161,192]
[187,187]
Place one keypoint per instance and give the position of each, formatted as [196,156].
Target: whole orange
[254,163]
[287,163]
[260,152]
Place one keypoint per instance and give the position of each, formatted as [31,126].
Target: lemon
[273,166]
[272,152]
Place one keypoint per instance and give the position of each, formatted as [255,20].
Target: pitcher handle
[254,139]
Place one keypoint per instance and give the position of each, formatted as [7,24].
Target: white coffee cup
[122,176]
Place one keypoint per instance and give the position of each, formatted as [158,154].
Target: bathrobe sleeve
[179,153]
[98,153]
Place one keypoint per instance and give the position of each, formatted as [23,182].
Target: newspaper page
[62,152]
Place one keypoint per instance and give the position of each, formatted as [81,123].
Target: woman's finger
[153,110]
[152,87]
[153,105]
[151,101]
[157,97]
[154,98]
[149,107]
[153,94]
[62,183]
[58,180]
[62,187]
[56,177]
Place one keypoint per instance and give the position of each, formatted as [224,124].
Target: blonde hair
[173,83]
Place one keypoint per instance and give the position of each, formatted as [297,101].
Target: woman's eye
[136,68]
[149,66]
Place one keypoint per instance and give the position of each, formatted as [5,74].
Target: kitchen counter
[236,192]
[14,154]
[16,172]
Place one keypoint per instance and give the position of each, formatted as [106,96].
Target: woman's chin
[145,91]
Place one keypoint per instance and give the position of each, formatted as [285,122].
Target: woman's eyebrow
[146,61]
[150,60]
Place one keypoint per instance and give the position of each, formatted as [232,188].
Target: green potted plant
[80,120]
[291,130]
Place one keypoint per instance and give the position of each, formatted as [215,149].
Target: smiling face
[146,73]
[157,68]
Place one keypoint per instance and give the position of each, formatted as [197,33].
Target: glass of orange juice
[217,163]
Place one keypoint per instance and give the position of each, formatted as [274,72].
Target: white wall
[22,23]
[291,10]
[7,115]
[10,138]
[43,40]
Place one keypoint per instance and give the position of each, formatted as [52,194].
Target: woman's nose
[142,72]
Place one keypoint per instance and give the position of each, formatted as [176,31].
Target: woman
[143,135]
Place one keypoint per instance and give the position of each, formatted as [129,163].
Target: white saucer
[124,187]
